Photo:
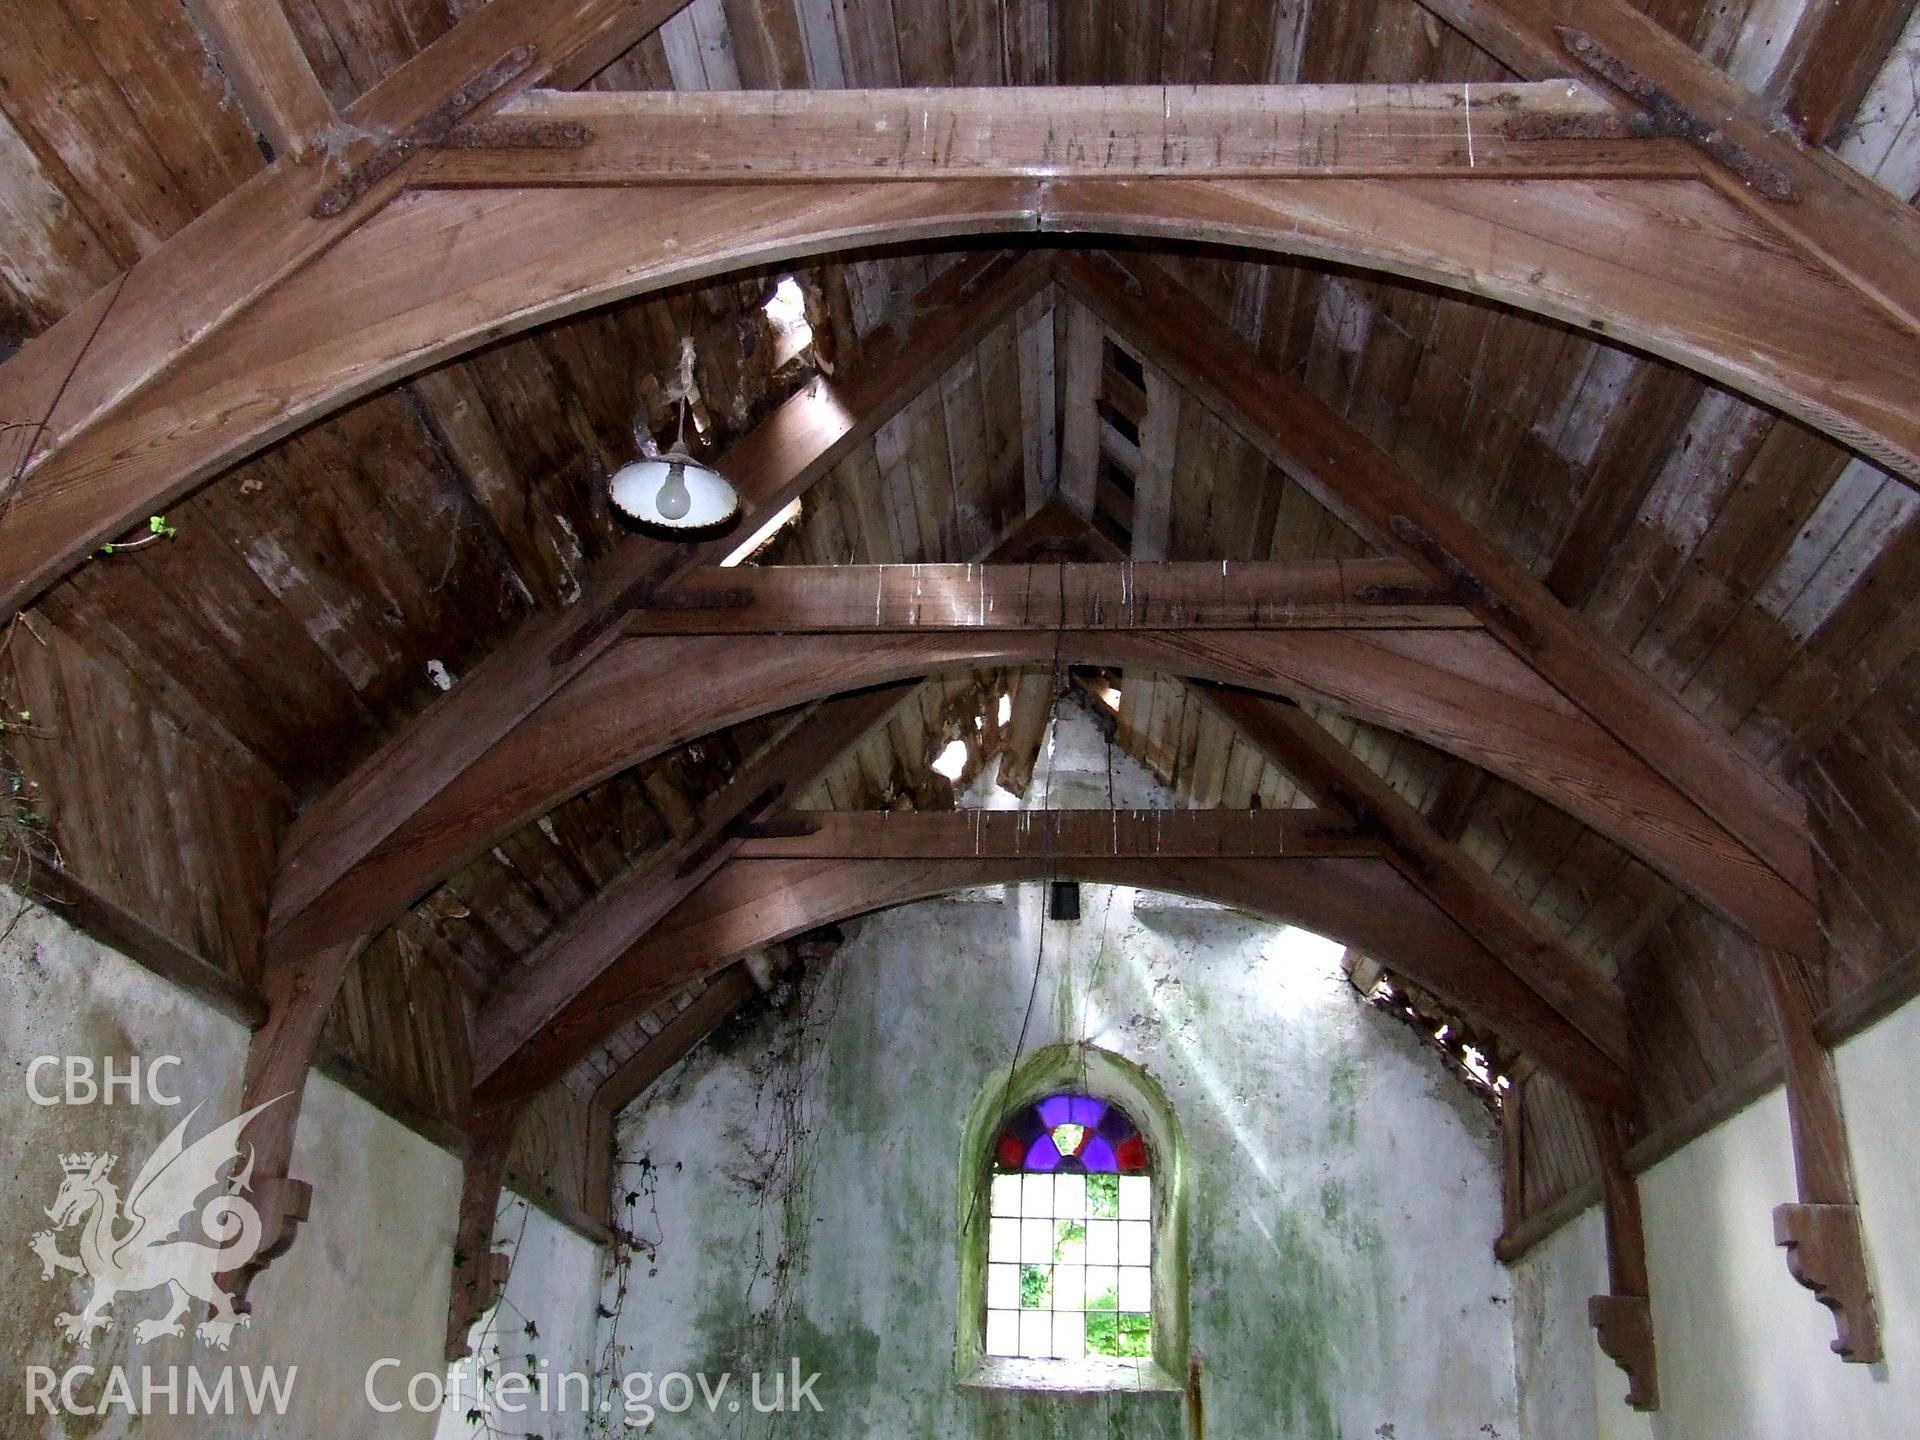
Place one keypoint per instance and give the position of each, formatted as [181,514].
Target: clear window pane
[1036,1334]
[1070,1196]
[1006,1195]
[1070,1252]
[1069,1287]
[1003,1332]
[1003,1287]
[1036,1287]
[1069,1336]
[1036,1195]
[1103,1287]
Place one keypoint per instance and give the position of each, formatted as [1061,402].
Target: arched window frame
[1078,1069]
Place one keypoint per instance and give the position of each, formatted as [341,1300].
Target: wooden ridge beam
[1340,466]
[800,442]
[1859,231]
[753,903]
[1076,834]
[99,359]
[1135,131]
[1458,690]
[629,907]
[1163,595]
[1337,778]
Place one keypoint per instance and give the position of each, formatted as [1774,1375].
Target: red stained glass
[1094,1138]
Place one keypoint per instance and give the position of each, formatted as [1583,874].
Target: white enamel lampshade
[673,491]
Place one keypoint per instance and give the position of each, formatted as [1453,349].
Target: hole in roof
[952,761]
[786,312]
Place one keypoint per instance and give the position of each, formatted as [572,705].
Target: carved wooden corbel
[299,995]
[480,1271]
[1822,1234]
[1623,1319]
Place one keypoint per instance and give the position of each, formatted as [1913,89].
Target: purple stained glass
[1043,1154]
[1101,1138]
[1097,1158]
[1057,1110]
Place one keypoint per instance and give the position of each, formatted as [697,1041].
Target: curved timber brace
[1821,1233]
[1622,1319]
[299,995]
[480,1271]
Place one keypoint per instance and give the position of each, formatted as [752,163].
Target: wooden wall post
[1623,1318]
[299,995]
[480,1271]
[1821,1233]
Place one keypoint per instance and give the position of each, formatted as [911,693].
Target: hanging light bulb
[673,491]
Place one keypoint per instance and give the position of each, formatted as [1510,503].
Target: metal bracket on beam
[429,130]
[1665,115]
[514,134]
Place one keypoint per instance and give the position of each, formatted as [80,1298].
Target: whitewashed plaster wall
[545,1325]
[366,1279]
[1743,1349]
[802,1174]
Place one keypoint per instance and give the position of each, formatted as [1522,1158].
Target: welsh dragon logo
[138,1246]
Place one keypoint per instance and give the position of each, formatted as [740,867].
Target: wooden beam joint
[430,130]
[1666,115]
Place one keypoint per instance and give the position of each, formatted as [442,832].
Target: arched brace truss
[752,903]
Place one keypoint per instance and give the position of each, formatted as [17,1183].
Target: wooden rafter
[1058,834]
[1166,595]
[307,321]
[1334,776]
[630,906]
[262,59]
[1356,479]
[1864,235]
[653,137]
[101,359]
[1458,690]
[796,445]
[753,903]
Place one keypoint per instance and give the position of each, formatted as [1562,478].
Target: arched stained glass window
[1070,1234]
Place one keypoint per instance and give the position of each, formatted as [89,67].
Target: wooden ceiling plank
[104,353]
[254,43]
[1355,478]
[675,1040]
[795,446]
[753,903]
[676,137]
[1483,907]
[623,912]
[1861,232]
